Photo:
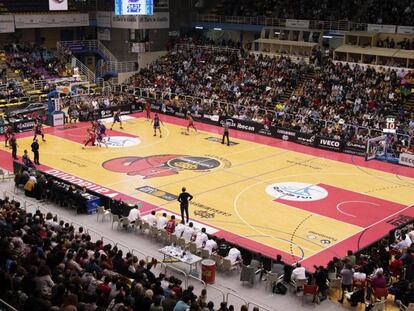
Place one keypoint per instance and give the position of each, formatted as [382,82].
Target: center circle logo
[121,141]
[296,191]
[194,163]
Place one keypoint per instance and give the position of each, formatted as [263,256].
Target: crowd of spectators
[10,89]
[373,11]
[385,268]
[87,107]
[249,83]
[347,95]
[47,264]
[404,44]
[336,100]
[33,62]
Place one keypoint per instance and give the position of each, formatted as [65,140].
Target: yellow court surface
[266,194]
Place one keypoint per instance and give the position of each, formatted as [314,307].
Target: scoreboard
[390,127]
[134,7]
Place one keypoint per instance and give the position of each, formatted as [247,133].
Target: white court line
[235,208]
[370,226]
[344,202]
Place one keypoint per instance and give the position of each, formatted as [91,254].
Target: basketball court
[264,194]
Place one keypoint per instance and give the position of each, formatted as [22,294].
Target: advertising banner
[297,23]
[355,148]
[328,143]
[104,34]
[23,125]
[23,21]
[381,28]
[406,159]
[103,19]
[409,30]
[156,21]
[6,23]
[58,5]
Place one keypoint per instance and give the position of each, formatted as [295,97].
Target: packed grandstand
[285,74]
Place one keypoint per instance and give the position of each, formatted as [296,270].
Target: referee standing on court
[35,150]
[226,133]
[184,198]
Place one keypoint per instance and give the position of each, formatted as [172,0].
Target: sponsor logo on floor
[121,141]
[296,191]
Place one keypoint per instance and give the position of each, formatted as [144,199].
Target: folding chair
[298,284]
[145,226]
[163,237]
[217,259]
[192,247]
[125,223]
[247,274]
[138,224]
[102,212]
[181,242]
[154,231]
[173,239]
[204,253]
[311,290]
[271,279]
[335,284]
[227,266]
[116,219]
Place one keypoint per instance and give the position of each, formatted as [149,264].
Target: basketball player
[156,121]
[190,123]
[117,118]
[38,130]
[8,134]
[100,133]
[90,139]
[148,110]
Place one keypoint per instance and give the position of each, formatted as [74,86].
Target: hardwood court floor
[264,194]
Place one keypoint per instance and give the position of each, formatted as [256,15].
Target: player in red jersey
[90,138]
[148,110]
[8,134]
[190,123]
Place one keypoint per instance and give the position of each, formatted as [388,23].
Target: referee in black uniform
[226,133]
[35,150]
[184,198]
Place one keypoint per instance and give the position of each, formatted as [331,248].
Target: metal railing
[109,64]
[108,54]
[115,66]
[252,304]
[204,47]
[4,304]
[84,70]
[229,294]
[339,25]
[86,45]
